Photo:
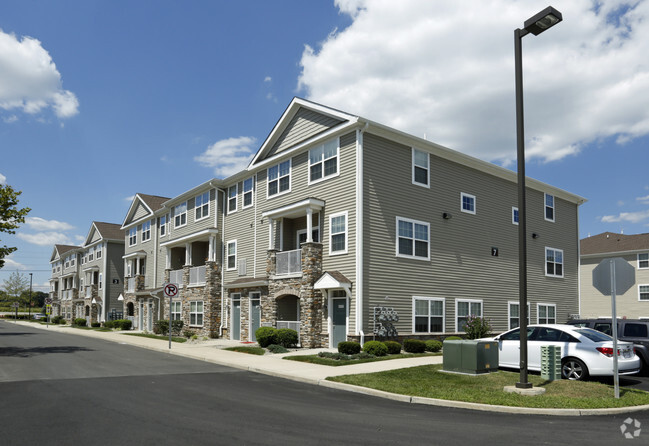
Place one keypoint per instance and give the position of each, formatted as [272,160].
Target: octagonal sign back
[624,276]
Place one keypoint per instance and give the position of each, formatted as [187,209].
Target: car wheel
[574,369]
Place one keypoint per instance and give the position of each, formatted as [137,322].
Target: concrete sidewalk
[212,350]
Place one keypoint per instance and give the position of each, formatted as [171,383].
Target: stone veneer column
[311,307]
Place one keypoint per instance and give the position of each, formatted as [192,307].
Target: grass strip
[315,359]
[154,336]
[248,350]
[428,381]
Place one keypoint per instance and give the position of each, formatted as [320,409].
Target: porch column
[271,234]
[212,249]
[188,254]
[309,225]
[137,266]
[168,258]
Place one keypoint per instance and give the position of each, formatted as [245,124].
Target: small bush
[58,320]
[95,324]
[414,346]
[188,333]
[266,336]
[476,327]
[109,324]
[286,337]
[79,322]
[453,338]
[274,348]
[433,346]
[394,348]
[349,347]
[123,324]
[375,348]
[161,327]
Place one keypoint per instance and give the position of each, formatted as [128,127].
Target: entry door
[236,319]
[255,315]
[339,321]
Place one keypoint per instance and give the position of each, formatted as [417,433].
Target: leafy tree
[10,216]
[16,284]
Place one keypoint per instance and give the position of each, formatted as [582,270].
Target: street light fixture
[542,21]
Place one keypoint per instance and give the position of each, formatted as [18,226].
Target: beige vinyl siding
[114,270]
[140,212]
[95,237]
[305,124]
[595,304]
[192,225]
[461,265]
[240,226]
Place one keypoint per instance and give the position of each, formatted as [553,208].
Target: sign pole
[170,300]
[170,290]
[616,376]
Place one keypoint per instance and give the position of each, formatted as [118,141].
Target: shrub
[161,327]
[58,320]
[79,322]
[123,324]
[453,338]
[375,348]
[287,337]
[349,347]
[109,324]
[476,327]
[394,348]
[188,333]
[274,348]
[433,346]
[176,327]
[266,336]
[95,324]
[414,346]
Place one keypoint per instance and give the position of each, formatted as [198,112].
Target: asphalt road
[60,389]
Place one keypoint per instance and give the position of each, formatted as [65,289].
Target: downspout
[223,202]
[359,232]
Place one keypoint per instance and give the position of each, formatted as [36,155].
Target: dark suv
[629,330]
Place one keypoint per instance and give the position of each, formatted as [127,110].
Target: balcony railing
[289,262]
[197,275]
[88,292]
[176,277]
[130,285]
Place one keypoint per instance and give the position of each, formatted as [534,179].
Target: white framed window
[101,281]
[132,238]
[553,262]
[91,254]
[465,308]
[467,203]
[643,292]
[232,198]
[549,207]
[129,268]
[546,313]
[163,225]
[196,313]
[513,316]
[232,255]
[279,178]
[514,215]
[176,310]
[420,168]
[338,233]
[643,261]
[146,232]
[301,235]
[180,215]
[413,239]
[202,206]
[428,315]
[323,161]
[248,188]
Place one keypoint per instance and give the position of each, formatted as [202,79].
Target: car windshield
[593,335]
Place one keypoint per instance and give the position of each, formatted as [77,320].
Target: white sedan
[584,351]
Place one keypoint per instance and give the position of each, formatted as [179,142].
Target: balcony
[197,276]
[176,277]
[130,285]
[88,292]
[289,262]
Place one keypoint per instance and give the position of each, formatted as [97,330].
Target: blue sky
[100,100]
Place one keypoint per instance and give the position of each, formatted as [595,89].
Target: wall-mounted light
[535,235]
[446,216]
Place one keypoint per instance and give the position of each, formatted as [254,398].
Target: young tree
[15,285]
[10,216]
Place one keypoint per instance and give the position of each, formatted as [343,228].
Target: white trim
[509,313]
[128,234]
[469,301]
[250,299]
[538,312]
[294,210]
[514,216]
[189,237]
[322,162]
[196,312]
[252,193]
[232,299]
[545,262]
[204,216]
[428,299]
[639,285]
[414,222]
[358,329]
[475,203]
[180,214]
[235,198]
[638,259]
[303,231]
[331,234]
[227,255]
[553,207]
[427,185]
[268,180]
[330,319]
[142,233]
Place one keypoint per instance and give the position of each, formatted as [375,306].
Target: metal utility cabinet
[471,356]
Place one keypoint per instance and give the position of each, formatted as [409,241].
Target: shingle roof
[62,249]
[153,201]
[612,242]
[109,231]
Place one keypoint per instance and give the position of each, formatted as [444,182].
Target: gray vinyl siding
[140,212]
[461,265]
[240,226]
[114,270]
[95,237]
[192,225]
[305,124]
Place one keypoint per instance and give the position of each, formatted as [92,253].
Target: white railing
[130,285]
[176,277]
[293,325]
[197,275]
[289,262]
[88,292]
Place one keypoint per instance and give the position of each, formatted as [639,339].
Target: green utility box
[551,362]
[470,356]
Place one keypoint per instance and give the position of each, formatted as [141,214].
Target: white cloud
[40,224]
[268,79]
[440,68]
[3,179]
[643,200]
[11,264]
[228,156]
[47,238]
[30,79]
[632,217]
[129,199]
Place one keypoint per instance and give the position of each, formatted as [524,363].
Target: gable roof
[106,231]
[59,250]
[610,242]
[149,203]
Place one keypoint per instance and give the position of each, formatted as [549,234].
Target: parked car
[38,316]
[628,330]
[584,351]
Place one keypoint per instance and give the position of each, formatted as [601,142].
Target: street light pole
[535,25]
[30,295]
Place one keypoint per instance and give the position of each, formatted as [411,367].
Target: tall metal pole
[30,295]
[522,212]
[616,376]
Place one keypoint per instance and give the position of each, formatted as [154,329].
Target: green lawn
[428,381]
[154,336]
[315,359]
[249,350]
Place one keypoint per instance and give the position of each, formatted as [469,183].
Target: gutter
[359,232]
